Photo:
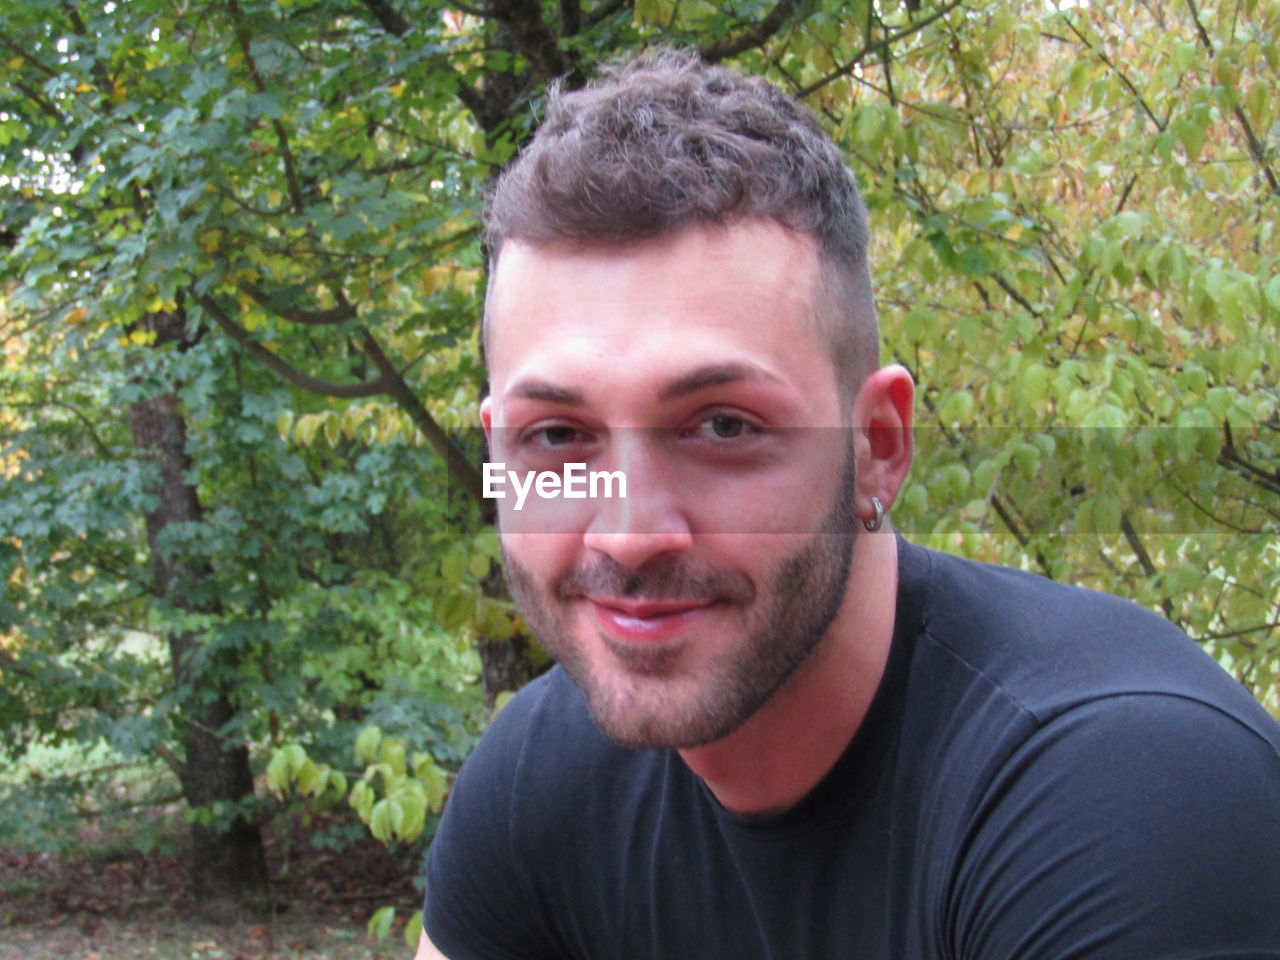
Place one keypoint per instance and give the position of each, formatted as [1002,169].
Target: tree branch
[388,383]
[532,36]
[1183,492]
[13,45]
[314,318]
[347,391]
[387,16]
[455,460]
[605,11]
[99,444]
[170,759]
[1144,559]
[1230,457]
[1137,94]
[1255,146]
[106,85]
[40,101]
[753,36]
[392,21]
[570,17]
[1267,625]
[1012,291]
[1124,194]
[1001,508]
[471,98]
[282,138]
[1012,524]
[851,64]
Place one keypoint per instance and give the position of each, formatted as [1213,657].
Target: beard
[642,699]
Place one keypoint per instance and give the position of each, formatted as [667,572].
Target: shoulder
[1050,647]
[1085,767]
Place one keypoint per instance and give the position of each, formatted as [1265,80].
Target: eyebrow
[714,375]
[548,393]
[701,378]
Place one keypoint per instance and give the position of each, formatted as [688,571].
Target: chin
[652,713]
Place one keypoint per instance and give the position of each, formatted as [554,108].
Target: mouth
[646,621]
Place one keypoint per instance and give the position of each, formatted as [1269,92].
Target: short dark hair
[663,141]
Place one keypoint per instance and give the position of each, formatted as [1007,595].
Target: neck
[772,761]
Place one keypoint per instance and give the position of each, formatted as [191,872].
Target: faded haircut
[662,141]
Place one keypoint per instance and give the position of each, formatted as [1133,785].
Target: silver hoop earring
[876,522]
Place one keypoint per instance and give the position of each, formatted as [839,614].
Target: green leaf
[1185,53]
[1192,133]
[956,407]
[436,785]
[1272,292]
[1035,383]
[1105,417]
[386,819]
[362,800]
[367,742]
[1027,459]
[295,757]
[413,929]
[313,778]
[392,753]
[381,922]
[278,772]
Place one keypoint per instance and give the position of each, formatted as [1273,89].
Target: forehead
[709,293]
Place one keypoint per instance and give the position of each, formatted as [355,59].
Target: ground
[115,904]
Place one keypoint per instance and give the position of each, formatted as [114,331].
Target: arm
[427,950]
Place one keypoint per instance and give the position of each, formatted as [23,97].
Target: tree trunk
[506,663]
[228,868]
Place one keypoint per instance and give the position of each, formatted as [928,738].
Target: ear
[486,419]
[882,418]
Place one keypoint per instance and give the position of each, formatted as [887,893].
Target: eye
[554,436]
[723,426]
[559,436]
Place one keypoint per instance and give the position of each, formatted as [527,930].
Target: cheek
[541,556]
[544,517]
[791,496]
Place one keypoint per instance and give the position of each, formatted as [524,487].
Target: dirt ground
[129,906]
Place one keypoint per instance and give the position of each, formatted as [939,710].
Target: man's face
[692,364]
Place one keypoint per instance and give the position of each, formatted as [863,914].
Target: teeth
[633,623]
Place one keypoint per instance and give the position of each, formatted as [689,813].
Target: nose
[649,521]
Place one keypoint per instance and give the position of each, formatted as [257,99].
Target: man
[776,729]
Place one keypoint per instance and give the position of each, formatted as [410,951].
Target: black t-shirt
[1044,772]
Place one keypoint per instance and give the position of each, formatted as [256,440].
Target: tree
[228,866]
[292,179]
[1076,215]
[285,584]
[1074,209]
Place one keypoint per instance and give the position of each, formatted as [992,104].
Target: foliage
[319,555]
[1076,214]
[43,798]
[1074,209]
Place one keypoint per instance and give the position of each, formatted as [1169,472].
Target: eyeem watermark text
[573,483]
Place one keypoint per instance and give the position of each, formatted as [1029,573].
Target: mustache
[664,580]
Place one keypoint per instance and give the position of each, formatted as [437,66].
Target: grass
[114,887]
[100,874]
[298,938]
[136,907]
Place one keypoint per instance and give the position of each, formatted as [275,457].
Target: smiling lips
[643,621]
